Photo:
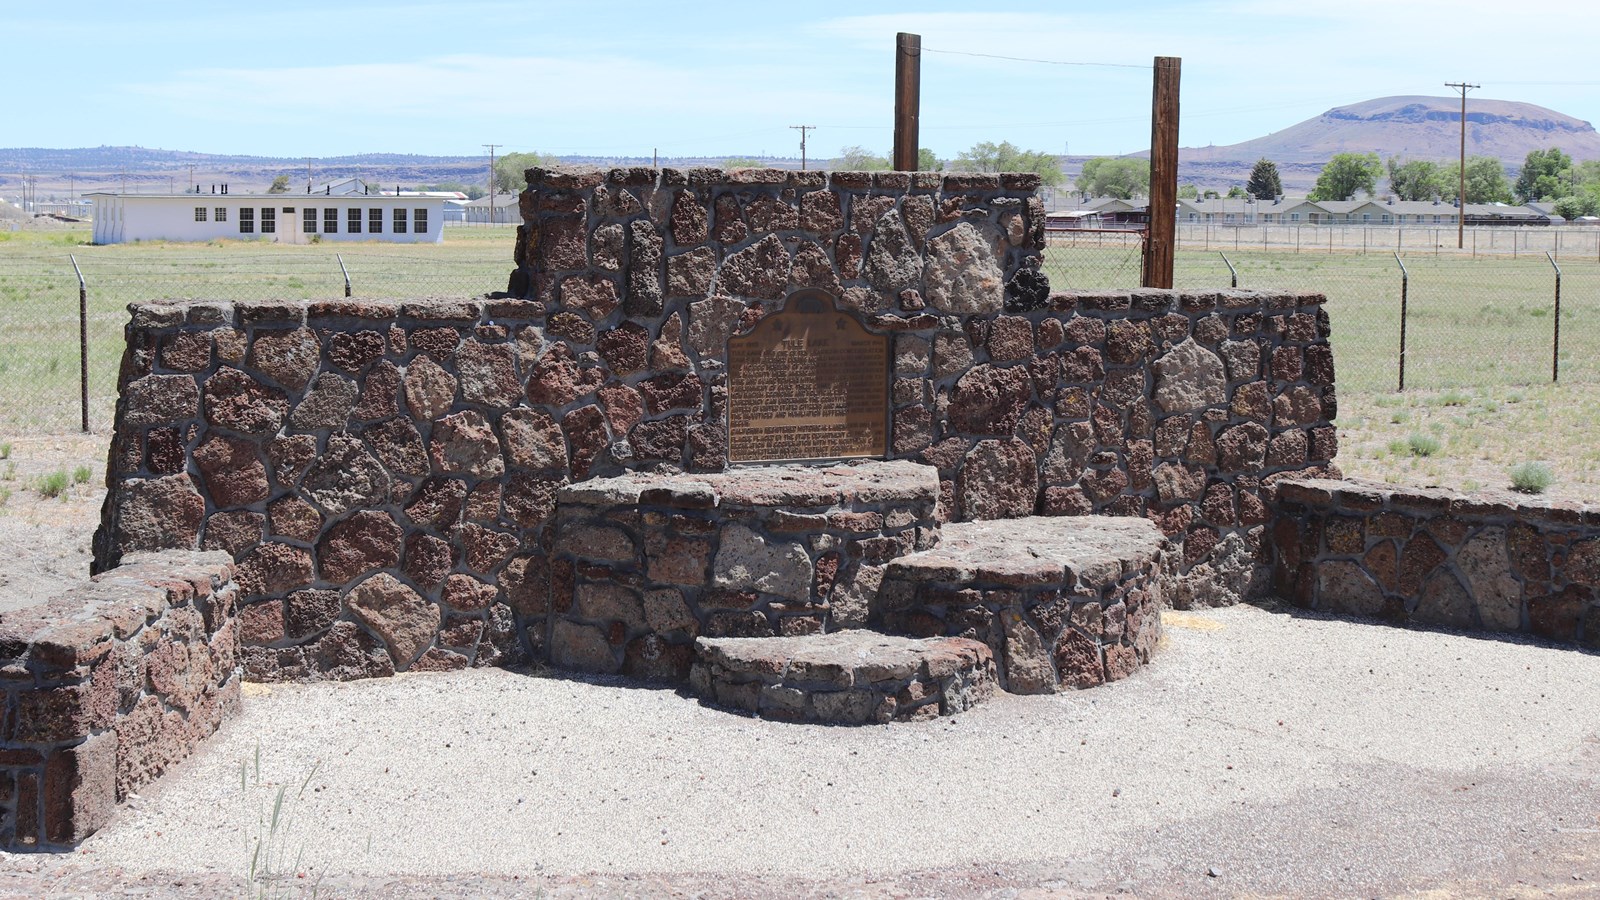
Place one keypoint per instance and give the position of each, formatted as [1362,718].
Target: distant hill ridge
[1417,128]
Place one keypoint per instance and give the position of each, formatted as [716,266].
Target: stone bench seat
[845,678]
[1062,602]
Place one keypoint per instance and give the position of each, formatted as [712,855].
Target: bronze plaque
[808,383]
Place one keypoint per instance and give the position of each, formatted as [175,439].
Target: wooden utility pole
[907,99]
[803,129]
[492,148]
[1461,187]
[1163,225]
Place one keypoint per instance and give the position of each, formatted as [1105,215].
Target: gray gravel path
[1261,752]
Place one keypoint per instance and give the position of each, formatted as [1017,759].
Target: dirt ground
[44,541]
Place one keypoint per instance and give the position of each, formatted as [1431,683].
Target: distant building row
[340,211]
[1110,212]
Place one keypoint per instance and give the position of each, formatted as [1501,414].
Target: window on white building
[353,220]
[247,220]
[308,219]
[419,222]
[399,221]
[199,213]
[269,220]
[221,213]
[375,221]
[330,220]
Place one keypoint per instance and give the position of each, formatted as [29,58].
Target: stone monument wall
[385,473]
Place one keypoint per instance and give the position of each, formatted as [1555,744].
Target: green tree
[1115,176]
[743,162]
[1346,175]
[926,161]
[1486,181]
[1264,183]
[1587,172]
[1007,157]
[1574,205]
[1235,192]
[280,185]
[1188,192]
[1545,175]
[859,159]
[509,170]
[1415,179]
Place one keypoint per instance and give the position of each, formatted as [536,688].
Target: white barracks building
[338,212]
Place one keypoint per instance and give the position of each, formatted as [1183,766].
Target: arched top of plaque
[808,383]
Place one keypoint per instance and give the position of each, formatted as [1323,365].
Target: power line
[1562,83]
[1050,62]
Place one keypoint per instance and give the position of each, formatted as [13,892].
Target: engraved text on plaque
[807,383]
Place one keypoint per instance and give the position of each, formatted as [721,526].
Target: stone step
[1061,601]
[643,563]
[852,677]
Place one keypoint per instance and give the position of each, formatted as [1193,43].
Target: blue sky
[616,77]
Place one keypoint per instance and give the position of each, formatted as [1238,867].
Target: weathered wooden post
[1158,254]
[907,99]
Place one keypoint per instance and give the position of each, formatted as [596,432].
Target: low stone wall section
[109,685]
[642,564]
[844,678]
[1063,602]
[1486,561]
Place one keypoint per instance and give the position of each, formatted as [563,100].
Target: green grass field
[39,386]
[1477,328]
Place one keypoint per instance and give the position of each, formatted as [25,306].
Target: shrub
[1531,477]
[54,484]
[80,475]
[5,450]
[1423,444]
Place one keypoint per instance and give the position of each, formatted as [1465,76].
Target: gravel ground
[1263,753]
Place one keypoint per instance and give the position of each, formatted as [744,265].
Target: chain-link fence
[1090,259]
[1572,242]
[1469,321]
[40,289]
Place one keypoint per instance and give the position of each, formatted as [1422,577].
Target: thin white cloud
[592,102]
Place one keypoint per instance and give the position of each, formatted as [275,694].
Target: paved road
[1263,753]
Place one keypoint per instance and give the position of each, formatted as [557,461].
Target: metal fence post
[346,273]
[83,343]
[1555,340]
[1405,289]
[1231,270]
